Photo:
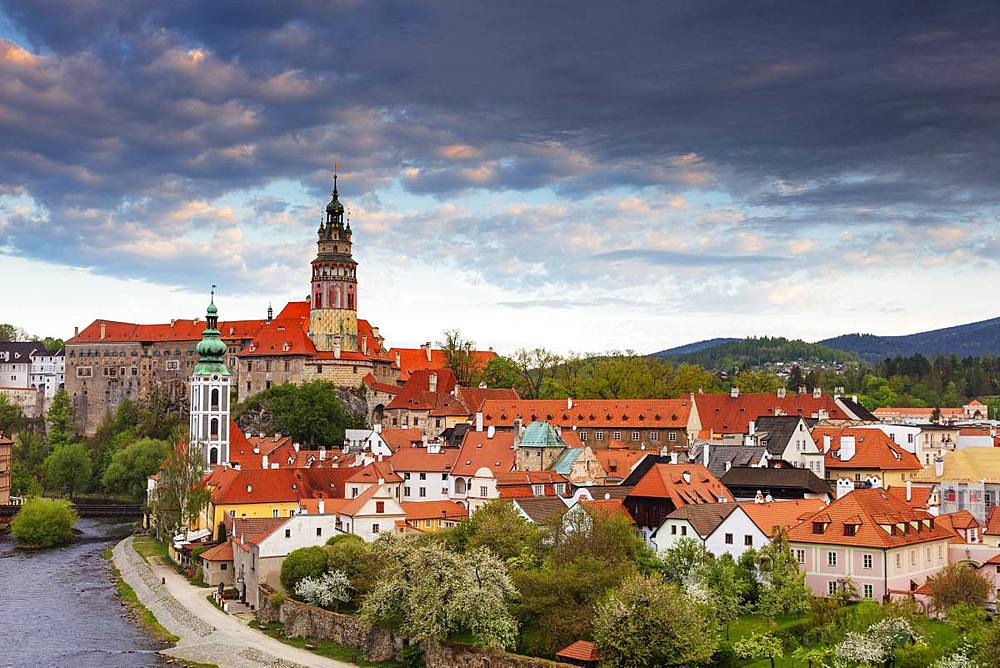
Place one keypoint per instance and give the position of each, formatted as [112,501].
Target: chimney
[264,463]
[381,481]
[321,507]
[427,350]
[817,392]
[432,382]
[844,487]
[752,427]
[734,392]
[781,393]
[479,420]
[518,428]
[673,458]
[364,344]
[758,497]
[847,448]
[490,431]
[76,331]
[939,466]
[827,442]
[909,490]
[322,454]
[729,465]
[687,476]
[377,427]
[569,404]
[802,389]
[704,455]
[104,330]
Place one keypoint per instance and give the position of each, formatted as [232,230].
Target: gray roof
[704,517]
[720,455]
[859,411]
[787,478]
[20,352]
[613,491]
[776,431]
[542,509]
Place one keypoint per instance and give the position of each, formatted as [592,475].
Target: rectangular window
[172,365]
[319,531]
[223,566]
[84,371]
[560,488]
[583,436]
[654,435]
[684,530]
[274,513]
[869,591]
[672,436]
[673,529]
[423,476]
[599,435]
[913,557]
[617,436]
[423,491]
[482,490]
[538,490]
[800,556]
[748,540]
[635,436]
[831,558]
[729,539]
[380,506]
[375,528]
[406,491]
[899,560]
[866,561]
[288,533]
[831,587]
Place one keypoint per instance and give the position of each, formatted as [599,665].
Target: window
[84,371]
[617,436]
[406,475]
[913,557]
[427,523]
[866,561]
[482,490]
[288,533]
[560,488]
[654,435]
[800,556]
[319,531]
[583,436]
[599,435]
[423,476]
[375,528]
[538,490]
[899,560]
[274,513]
[406,491]
[850,529]
[672,436]
[222,566]
[172,365]
[928,554]
[635,436]
[354,492]
[380,506]
[869,591]
[729,539]
[422,491]
[831,587]
[748,540]
[684,530]
[831,558]
[673,532]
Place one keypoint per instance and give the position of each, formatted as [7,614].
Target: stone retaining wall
[381,644]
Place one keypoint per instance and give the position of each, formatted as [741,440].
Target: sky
[583,176]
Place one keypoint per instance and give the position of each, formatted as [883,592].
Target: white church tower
[210,393]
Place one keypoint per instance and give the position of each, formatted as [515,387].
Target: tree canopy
[68,469]
[42,522]
[130,467]
[311,413]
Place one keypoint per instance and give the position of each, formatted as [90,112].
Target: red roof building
[409,360]
[666,487]
[729,414]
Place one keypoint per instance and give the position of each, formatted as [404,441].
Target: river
[58,606]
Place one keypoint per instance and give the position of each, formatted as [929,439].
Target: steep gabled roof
[704,517]
[479,450]
[473,397]
[724,414]
[777,431]
[683,484]
[993,522]
[873,449]
[543,510]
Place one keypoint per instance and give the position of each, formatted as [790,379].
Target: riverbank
[205,634]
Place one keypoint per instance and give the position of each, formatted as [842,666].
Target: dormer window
[850,529]
[819,527]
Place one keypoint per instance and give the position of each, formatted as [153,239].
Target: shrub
[329,590]
[277,598]
[302,563]
[44,522]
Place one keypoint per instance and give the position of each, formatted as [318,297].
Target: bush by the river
[44,522]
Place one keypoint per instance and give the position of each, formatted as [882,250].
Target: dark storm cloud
[820,113]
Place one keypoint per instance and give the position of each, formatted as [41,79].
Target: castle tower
[333,315]
[210,393]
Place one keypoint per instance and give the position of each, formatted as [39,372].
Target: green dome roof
[335,206]
[211,347]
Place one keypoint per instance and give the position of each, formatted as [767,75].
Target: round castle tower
[333,314]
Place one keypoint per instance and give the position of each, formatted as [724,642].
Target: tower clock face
[215,377]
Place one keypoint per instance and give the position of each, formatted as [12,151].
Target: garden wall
[381,644]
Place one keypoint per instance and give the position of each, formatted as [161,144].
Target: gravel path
[207,635]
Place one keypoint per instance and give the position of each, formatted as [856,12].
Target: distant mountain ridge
[973,339]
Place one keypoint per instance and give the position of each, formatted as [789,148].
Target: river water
[58,606]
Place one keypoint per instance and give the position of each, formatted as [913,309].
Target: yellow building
[864,456]
[430,516]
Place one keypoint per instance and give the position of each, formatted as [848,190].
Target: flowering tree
[757,646]
[878,644]
[784,589]
[329,590]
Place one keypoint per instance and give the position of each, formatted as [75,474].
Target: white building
[209,430]
[48,372]
[368,442]
[721,527]
[904,435]
[426,471]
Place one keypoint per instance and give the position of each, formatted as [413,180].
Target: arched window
[213,456]
[214,430]
[319,299]
[215,398]
[336,296]
[460,486]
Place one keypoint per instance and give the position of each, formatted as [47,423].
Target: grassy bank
[127,595]
[326,648]
[151,549]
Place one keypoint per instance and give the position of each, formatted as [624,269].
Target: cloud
[674,258]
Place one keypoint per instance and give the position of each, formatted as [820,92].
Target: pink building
[876,539]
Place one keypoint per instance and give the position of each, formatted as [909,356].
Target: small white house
[374,512]
[721,527]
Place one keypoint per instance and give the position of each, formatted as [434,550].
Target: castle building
[333,318]
[209,398]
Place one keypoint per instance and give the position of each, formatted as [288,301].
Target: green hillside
[756,351]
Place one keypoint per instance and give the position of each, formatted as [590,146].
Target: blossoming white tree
[329,590]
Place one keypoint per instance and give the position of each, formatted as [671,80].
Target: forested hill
[757,351]
[695,347]
[972,340]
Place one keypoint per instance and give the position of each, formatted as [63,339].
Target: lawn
[151,549]
[327,648]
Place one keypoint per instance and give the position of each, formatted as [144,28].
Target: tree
[305,562]
[180,494]
[497,527]
[501,372]
[783,590]
[11,417]
[726,588]
[536,368]
[597,533]
[44,522]
[67,469]
[431,593]
[795,378]
[955,584]
[356,559]
[458,355]
[878,644]
[756,380]
[311,413]
[650,622]
[759,646]
[329,590]
[130,468]
[9,332]
[22,483]
[683,560]
[60,420]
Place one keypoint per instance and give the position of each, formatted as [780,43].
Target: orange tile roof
[919,496]
[993,522]
[221,552]
[496,454]
[178,330]
[418,459]
[429,510]
[917,412]
[355,505]
[666,481]
[723,414]
[618,463]
[412,359]
[581,650]
[415,394]
[281,337]
[961,519]
[283,485]
[294,310]
[876,509]
[473,397]
[873,449]
[401,438]
[330,506]
[782,515]
[648,413]
[519,484]
[374,472]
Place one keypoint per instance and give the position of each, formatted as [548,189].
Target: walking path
[207,635]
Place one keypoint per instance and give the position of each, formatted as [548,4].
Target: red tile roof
[518,484]
[667,481]
[374,472]
[781,515]
[648,413]
[401,438]
[993,522]
[418,459]
[875,512]
[873,449]
[919,496]
[581,650]
[283,485]
[416,394]
[178,330]
[221,552]
[294,310]
[412,359]
[496,454]
[618,463]
[724,414]
[429,510]
[281,337]
[473,397]
[960,520]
